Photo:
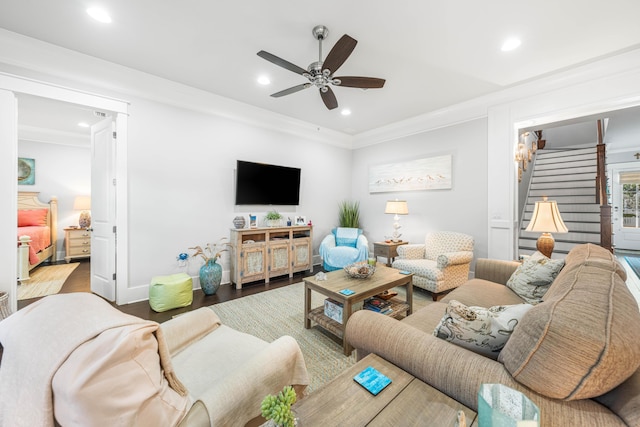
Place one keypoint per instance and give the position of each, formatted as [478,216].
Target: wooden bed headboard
[30,200]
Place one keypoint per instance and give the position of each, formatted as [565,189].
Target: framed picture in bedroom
[26,171]
[301,220]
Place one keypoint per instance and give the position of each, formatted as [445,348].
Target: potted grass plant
[349,214]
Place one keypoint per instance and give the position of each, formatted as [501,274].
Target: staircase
[568,177]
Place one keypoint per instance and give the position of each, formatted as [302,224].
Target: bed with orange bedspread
[37,232]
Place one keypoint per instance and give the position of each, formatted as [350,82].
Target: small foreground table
[407,401]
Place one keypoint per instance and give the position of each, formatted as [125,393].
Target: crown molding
[477,108]
[32,58]
[35,59]
[50,136]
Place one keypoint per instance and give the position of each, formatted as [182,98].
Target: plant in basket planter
[272,218]
[277,409]
[211,272]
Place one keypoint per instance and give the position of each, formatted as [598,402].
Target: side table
[387,249]
[77,243]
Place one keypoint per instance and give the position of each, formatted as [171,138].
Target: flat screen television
[263,184]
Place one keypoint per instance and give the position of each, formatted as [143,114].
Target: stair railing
[601,191]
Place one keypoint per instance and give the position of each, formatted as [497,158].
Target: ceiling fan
[321,73]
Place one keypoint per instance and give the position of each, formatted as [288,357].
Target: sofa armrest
[182,331]
[458,372]
[326,244]
[411,251]
[495,270]
[236,398]
[362,245]
[453,370]
[454,258]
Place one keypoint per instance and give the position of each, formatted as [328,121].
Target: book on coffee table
[372,380]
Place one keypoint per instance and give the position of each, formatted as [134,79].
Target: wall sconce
[527,146]
[396,207]
[83,203]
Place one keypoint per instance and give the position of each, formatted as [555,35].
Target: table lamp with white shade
[546,219]
[83,203]
[396,207]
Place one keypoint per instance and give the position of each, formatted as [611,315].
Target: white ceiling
[432,54]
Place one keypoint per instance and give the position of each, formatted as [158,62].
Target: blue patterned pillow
[347,236]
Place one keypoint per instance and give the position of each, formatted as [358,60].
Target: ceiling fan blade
[339,53]
[361,82]
[329,98]
[281,62]
[291,90]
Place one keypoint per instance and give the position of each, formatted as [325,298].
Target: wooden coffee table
[383,279]
[407,401]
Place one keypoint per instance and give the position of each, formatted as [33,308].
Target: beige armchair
[73,359]
[440,264]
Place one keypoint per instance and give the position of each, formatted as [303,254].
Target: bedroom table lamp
[546,219]
[83,203]
[396,207]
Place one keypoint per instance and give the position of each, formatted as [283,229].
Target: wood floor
[79,281]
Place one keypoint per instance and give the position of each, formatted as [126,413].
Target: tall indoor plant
[349,214]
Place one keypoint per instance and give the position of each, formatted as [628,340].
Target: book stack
[378,304]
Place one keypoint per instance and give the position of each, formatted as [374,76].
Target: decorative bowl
[359,270]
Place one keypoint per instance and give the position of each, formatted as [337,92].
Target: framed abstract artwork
[26,171]
[433,173]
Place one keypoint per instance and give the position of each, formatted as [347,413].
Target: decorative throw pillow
[534,276]
[347,236]
[482,330]
[32,217]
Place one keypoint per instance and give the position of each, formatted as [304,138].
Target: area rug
[634,263]
[272,314]
[46,280]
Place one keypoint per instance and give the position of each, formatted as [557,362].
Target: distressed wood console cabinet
[262,253]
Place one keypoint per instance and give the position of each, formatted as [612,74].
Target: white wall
[463,208]
[181,182]
[62,171]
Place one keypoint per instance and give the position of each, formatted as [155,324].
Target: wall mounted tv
[263,184]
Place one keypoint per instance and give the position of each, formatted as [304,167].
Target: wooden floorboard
[79,281]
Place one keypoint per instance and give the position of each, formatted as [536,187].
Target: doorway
[9,87]
[625,199]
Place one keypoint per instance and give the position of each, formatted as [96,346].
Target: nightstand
[387,249]
[77,243]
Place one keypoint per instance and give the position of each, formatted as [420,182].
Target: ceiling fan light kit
[320,73]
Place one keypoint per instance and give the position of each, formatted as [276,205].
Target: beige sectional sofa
[576,354]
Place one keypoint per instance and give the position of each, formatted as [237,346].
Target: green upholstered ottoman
[173,291]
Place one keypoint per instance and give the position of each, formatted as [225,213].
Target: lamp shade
[546,218]
[397,207]
[82,203]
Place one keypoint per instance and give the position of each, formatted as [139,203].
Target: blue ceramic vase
[210,277]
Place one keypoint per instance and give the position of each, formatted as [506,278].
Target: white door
[103,210]
[625,196]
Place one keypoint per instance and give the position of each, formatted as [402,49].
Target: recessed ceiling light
[99,15]
[264,80]
[345,112]
[83,125]
[510,44]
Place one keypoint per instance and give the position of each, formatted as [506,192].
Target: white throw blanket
[38,339]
